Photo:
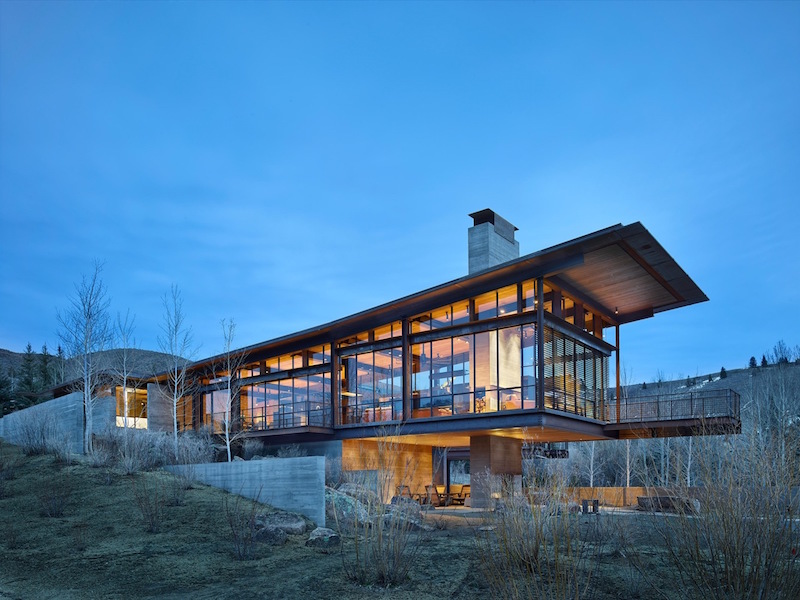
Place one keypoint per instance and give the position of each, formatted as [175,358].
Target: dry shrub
[35,432]
[251,448]
[195,447]
[291,451]
[240,513]
[8,468]
[8,471]
[55,495]
[59,445]
[101,457]
[385,538]
[135,452]
[179,485]
[149,498]
[138,450]
[534,546]
[742,541]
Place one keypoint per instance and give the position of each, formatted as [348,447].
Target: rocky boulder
[289,523]
[344,508]
[322,537]
[361,493]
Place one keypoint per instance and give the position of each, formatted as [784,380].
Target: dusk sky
[288,164]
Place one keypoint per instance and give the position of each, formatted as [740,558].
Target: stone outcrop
[324,538]
[344,508]
[290,523]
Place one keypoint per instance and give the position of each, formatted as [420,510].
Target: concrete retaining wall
[64,415]
[293,484]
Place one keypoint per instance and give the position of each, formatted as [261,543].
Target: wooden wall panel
[404,464]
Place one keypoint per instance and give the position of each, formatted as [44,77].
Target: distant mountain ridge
[145,362]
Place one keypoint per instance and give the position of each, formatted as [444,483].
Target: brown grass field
[99,547]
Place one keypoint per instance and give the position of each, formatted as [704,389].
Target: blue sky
[287,164]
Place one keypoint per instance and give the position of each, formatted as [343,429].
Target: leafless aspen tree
[85,332]
[125,361]
[228,367]
[177,342]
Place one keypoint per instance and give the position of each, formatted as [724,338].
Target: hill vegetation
[27,378]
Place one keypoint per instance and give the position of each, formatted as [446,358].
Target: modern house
[515,352]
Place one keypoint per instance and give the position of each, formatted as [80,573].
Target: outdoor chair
[437,496]
[404,491]
[459,493]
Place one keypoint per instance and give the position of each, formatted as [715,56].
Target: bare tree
[177,342]
[591,466]
[125,362]
[780,397]
[228,367]
[84,332]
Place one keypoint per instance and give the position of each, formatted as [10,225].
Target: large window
[292,402]
[214,403]
[575,375]
[371,387]
[475,373]
[137,408]
[508,301]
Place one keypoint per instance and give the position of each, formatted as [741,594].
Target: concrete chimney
[491,241]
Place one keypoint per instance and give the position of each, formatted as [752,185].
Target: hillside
[738,380]
[145,362]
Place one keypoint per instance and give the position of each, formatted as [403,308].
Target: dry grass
[54,497]
[240,514]
[384,539]
[99,549]
[149,495]
[740,538]
[534,547]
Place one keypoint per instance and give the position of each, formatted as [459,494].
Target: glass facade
[575,375]
[299,401]
[475,356]
[371,387]
[475,373]
[137,408]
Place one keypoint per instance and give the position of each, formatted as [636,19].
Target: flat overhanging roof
[622,271]
[626,271]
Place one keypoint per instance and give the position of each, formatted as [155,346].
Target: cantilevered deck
[665,415]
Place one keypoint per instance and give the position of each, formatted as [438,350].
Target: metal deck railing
[710,404]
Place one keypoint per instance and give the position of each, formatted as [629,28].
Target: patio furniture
[437,495]
[404,491]
[459,493]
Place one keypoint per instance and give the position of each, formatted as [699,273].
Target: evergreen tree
[61,366]
[45,369]
[753,364]
[764,362]
[723,373]
[27,380]
[6,394]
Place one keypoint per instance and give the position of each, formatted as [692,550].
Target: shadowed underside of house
[517,351]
